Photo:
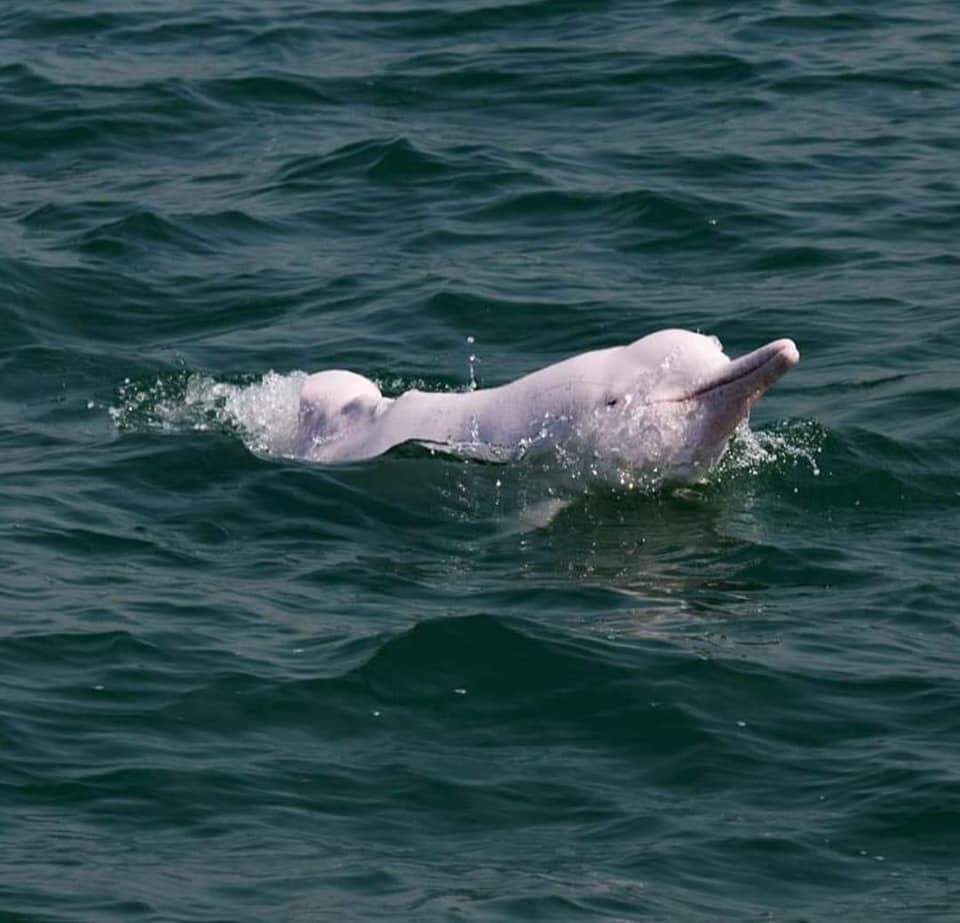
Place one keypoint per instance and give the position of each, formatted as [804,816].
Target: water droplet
[473,371]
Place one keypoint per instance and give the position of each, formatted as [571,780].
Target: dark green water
[240,688]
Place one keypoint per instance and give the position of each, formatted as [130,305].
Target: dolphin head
[334,405]
[674,398]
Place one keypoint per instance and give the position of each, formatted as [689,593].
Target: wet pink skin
[756,370]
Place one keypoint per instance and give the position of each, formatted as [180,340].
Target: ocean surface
[238,687]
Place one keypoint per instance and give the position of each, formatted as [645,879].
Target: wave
[483,678]
[399,161]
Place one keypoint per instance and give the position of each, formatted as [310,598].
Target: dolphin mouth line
[766,364]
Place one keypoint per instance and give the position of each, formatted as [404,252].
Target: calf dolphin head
[333,406]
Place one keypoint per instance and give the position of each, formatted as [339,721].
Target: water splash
[472,360]
[263,413]
[582,463]
[786,444]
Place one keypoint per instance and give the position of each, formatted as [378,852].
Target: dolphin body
[666,404]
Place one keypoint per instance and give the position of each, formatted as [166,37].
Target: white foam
[793,443]
[266,413]
[263,413]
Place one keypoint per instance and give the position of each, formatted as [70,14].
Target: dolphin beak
[749,376]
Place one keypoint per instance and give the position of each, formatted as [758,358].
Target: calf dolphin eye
[355,406]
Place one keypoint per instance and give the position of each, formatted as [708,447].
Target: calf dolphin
[667,403]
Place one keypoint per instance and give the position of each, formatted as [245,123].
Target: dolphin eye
[355,406]
[612,401]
